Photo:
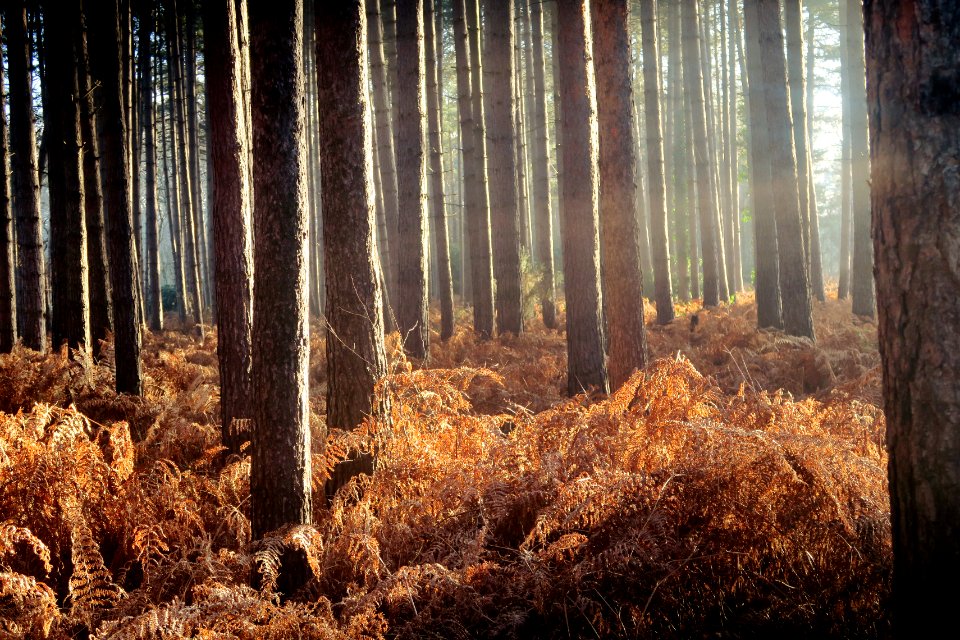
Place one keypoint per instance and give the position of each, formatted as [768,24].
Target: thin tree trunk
[154,302]
[8,287]
[733,36]
[846,213]
[678,147]
[816,257]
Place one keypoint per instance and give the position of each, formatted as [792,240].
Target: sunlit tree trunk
[678,147]
[846,214]
[8,289]
[151,254]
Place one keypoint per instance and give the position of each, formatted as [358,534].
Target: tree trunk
[25,186]
[657,186]
[8,288]
[504,211]
[154,302]
[678,146]
[356,358]
[911,67]
[280,474]
[586,368]
[68,233]
[542,206]
[693,237]
[193,138]
[619,233]
[231,216]
[438,205]
[846,213]
[103,22]
[861,285]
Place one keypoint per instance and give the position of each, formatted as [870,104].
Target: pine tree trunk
[438,205]
[154,302]
[280,473]
[25,186]
[542,206]
[355,359]
[657,186]
[586,368]
[231,216]
[618,163]
[193,137]
[8,288]
[911,67]
[846,197]
[693,237]
[503,169]
[105,56]
[678,146]
[521,114]
[816,255]
[861,278]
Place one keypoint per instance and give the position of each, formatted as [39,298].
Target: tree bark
[8,288]
[154,302]
[280,473]
[678,146]
[586,368]
[846,213]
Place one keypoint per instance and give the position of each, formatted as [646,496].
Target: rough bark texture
[622,276]
[355,350]
[280,477]
[861,277]
[912,67]
[151,255]
[580,200]
[413,318]
[105,59]
[233,275]
[663,286]
[504,212]
[437,193]
[68,233]
[706,200]
[8,289]
[25,185]
[794,283]
[542,206]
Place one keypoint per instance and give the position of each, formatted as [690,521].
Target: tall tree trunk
[231,216]
[356,358]
[911,66]
[521,115]
[678,148]
[542,206]
[619,233]
[413,318]
[154,302]
[706,205]
[816,258]
[25,186]
[657,184]
[846,200]
[8,288]
[767,259]
[193,137]
[504,211]
[105,56]
[794,284]
[437,202]
[579,201]
[280,473]
[733,36]
[861,285]
[68,233]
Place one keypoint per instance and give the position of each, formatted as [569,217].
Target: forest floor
[736,488]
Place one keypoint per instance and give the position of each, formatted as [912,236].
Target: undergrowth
[734,488]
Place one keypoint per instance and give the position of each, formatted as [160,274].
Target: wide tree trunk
[154,302]
[280,474]
[233,276]
[68,233]
[355,349]
[438,205]
[25,185]
[542,205]
[911,65]
[663,287]
[8,289]
[413,318]
[105,56]
[861,277]
[504,206]
[619,224]
[579,206]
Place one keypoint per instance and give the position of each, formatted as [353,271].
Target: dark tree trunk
[542,206]
[280,474]
[579,202]
[68,241]
[8,289]
[233,277]
[504,211]
[912,61]
[154,303]
[413,318]
[657,185]
[355,349]
[437,203]
[105,59]
[622,276]
[25,185]
[193,138]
